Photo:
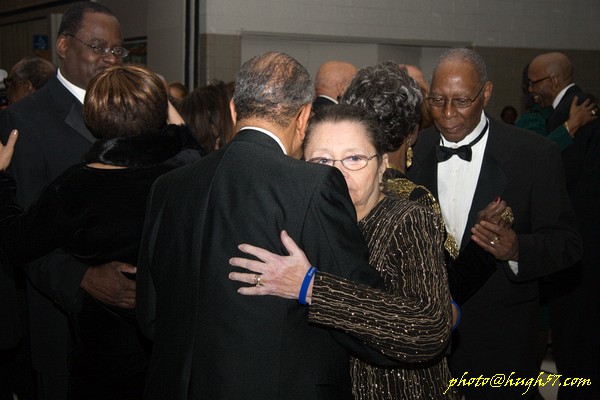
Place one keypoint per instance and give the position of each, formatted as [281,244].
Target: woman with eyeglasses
[388,94]
[95,211]
[411,321]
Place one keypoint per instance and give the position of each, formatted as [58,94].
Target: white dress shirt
[78,92]
[457,181]
[560,95]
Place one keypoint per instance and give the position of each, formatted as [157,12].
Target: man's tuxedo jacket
[211,342]
[499,324]
[52,137]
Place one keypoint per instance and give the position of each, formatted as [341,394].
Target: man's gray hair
[272,86]
[466,56]
[36,70]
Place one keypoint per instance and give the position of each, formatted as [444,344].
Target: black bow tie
[444,153]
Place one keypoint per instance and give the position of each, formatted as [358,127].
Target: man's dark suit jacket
[573,295]
[499,324]
[211,342]
[320,102]
[52,137]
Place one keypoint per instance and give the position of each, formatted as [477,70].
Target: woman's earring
[409,154]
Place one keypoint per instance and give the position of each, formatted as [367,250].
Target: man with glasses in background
[467,160]
[573,296]
[27,76]
[53,137]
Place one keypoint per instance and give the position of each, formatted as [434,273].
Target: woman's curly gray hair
[387,92]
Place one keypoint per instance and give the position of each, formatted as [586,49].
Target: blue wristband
[305,284]
[457,318]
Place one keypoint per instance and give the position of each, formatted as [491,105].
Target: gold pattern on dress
[406,189]
[411,321]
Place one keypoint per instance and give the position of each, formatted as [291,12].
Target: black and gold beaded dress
[411,321]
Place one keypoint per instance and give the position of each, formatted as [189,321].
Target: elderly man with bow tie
[467,160]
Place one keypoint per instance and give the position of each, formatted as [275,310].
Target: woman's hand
[579,115]
[6,151]
[497,212]
[274,275]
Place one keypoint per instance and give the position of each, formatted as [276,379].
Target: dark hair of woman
[348,113]
[388,93]
[206,112]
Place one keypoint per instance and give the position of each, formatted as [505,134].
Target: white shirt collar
[328,98]
[78,92]
[470,137]
[560,95]
[268,133]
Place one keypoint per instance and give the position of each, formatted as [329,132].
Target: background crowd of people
[366,235]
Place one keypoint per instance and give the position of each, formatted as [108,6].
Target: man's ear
[487,93]
[302,120]
[62,46]
[233,113]
[29,89]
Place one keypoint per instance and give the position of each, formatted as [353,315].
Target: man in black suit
[332,80]
[467,160]
[209,341]
[573,295]
[52,137]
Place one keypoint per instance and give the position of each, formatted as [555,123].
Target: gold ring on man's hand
[257,280]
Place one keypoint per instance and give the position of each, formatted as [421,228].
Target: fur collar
[141,150]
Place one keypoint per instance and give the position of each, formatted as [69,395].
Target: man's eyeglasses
[7,82]
[531,83]
[353,163]
[118,51]
[460,102]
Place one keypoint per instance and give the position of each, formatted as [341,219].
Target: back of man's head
[73,16]
[35,70]
[272,87]
[333,77]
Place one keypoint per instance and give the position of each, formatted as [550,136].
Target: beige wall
[362,32]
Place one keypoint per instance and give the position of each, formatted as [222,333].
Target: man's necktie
[444,153]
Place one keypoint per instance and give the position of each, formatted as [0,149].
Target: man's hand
[500,241]
[107,283]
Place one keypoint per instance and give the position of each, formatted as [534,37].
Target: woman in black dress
[95,211]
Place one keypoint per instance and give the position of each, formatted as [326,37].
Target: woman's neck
[364,210]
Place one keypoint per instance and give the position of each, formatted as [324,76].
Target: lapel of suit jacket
[424,172]
[492,179]
[70,107]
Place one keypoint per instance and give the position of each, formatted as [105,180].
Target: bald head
[555,64]
[416,73]
[548,75]
[28,75]
[333,78]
